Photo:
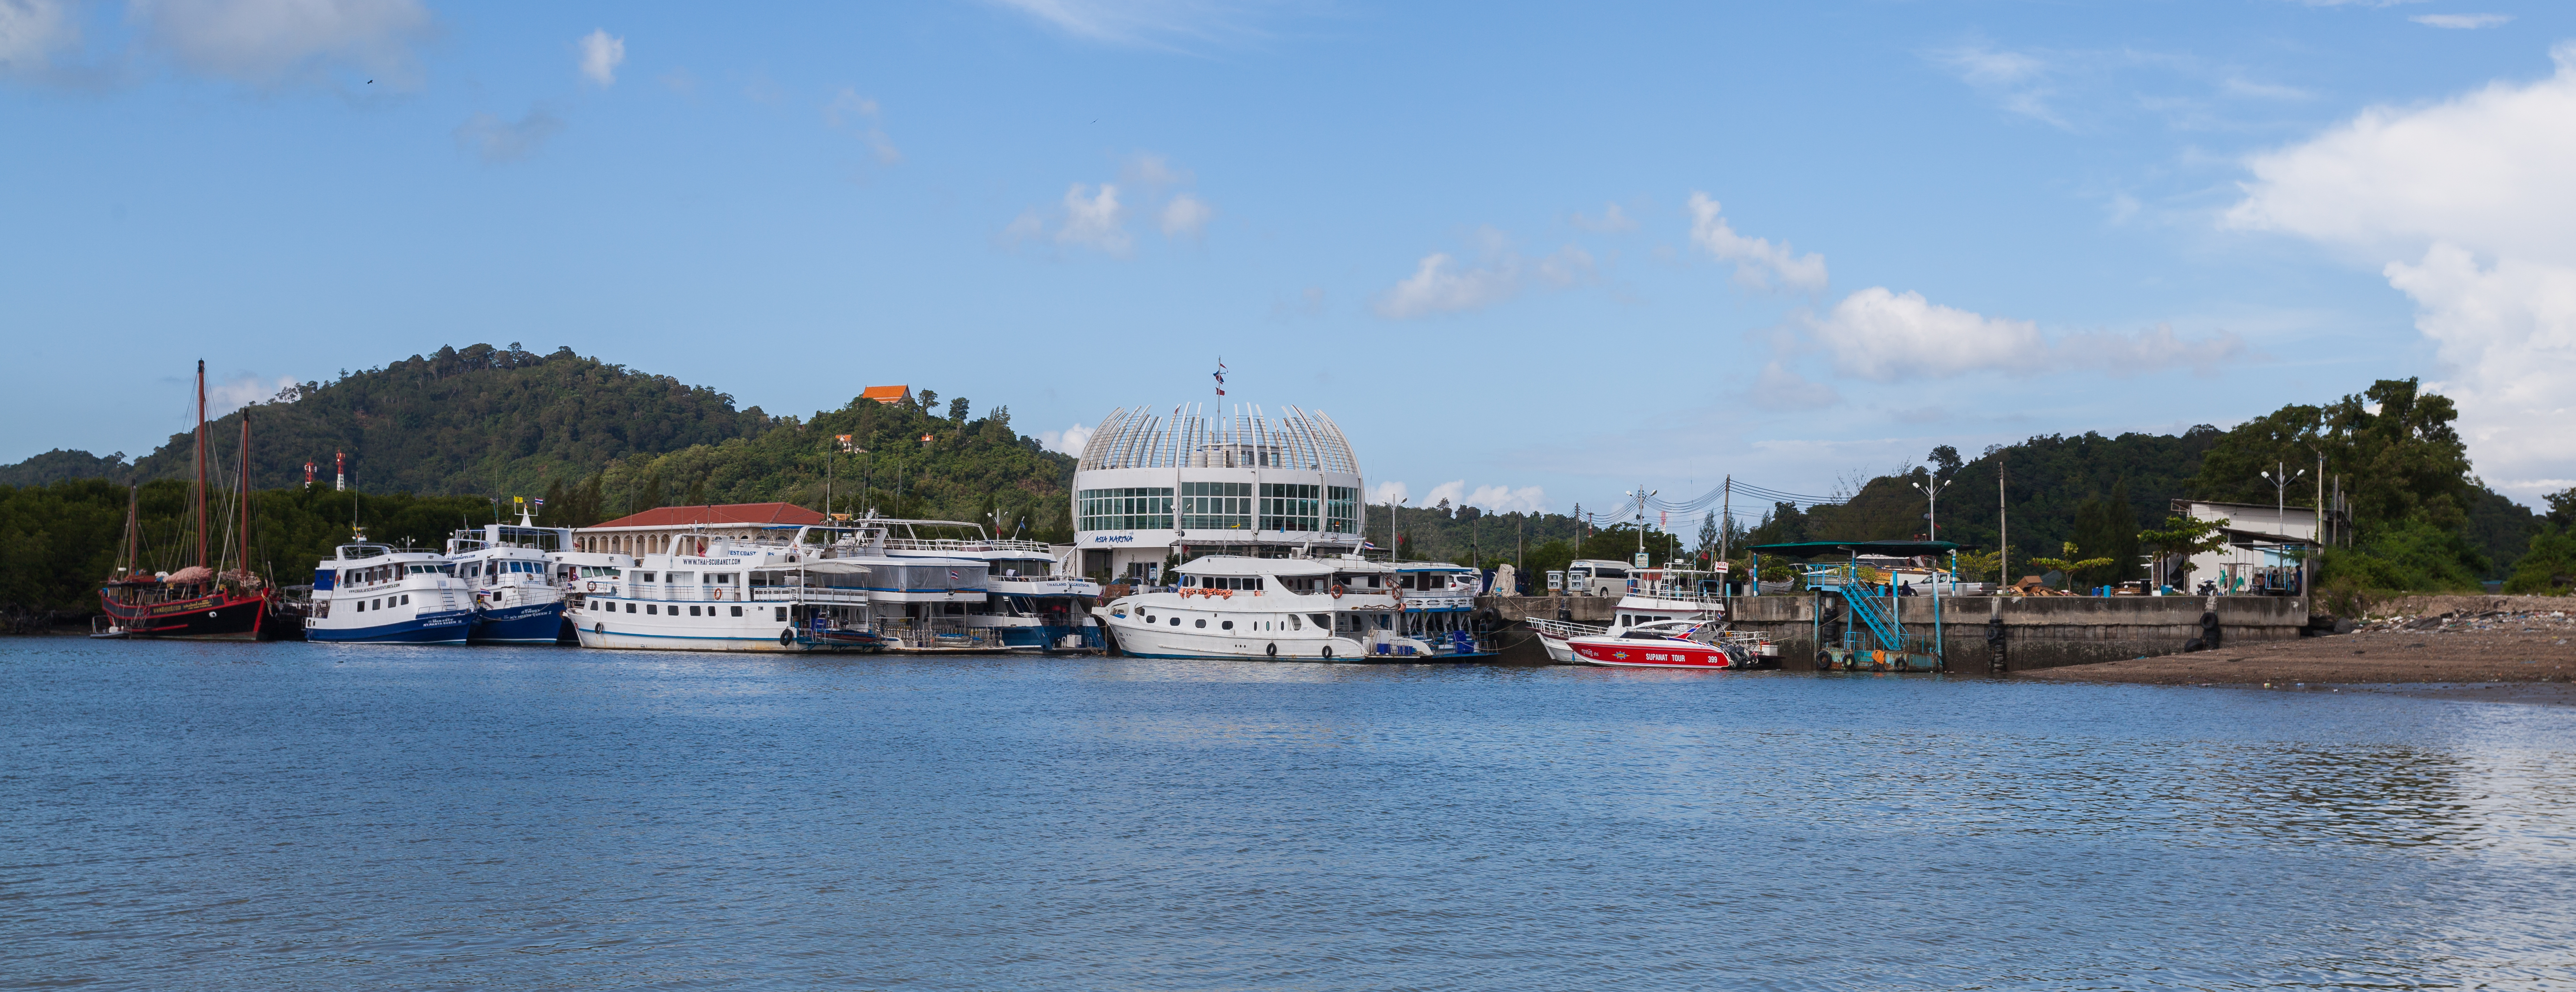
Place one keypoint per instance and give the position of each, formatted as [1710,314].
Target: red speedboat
[1669,644]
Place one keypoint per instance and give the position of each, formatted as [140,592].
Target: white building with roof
[1154,486]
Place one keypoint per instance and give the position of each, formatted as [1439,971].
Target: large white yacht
[1287,609]
[376,593]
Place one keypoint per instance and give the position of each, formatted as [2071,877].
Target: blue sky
[1531,256]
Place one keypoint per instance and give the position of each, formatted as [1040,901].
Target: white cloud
[1028,226]
[1886,336]
[2468,22]
[1094,220]
[1186,216]
[1612,220]
[1758,263]
[494,140]
[2464,206]
[1152,172]
[31,31]
[1780,387]
[2016,79]
[848,109]
[1439,284]
[1453,491]
[274,42]
[1147,23]
[1384,491]
[241,390]
[1505,499]
[1068,441]
[601,54]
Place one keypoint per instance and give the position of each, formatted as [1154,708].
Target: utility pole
[1726,528]
[2003,526]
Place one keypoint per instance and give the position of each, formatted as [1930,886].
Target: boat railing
[1562,630]
[965,545]
[935,633]
[808,594]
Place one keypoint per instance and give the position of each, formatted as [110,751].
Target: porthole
[1202,623]
[1229,625]
[1176,621]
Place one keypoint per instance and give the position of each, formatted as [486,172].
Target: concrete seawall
[2037,631]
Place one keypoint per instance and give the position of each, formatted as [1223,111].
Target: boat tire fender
[1328,652]
[786,637]
[1274,649]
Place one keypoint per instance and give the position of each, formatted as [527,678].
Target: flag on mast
[1220,375]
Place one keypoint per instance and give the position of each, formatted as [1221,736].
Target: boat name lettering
[1112,538]
[711,561]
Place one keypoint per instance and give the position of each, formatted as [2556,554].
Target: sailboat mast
[133,519]
[201,461]
[245,492]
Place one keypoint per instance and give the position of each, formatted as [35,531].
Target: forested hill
[600,440]
[474,420]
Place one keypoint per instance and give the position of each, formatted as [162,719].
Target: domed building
[1154,486]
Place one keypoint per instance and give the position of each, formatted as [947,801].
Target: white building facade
[2266,545]
[1153,487]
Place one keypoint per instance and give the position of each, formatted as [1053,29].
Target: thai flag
[1370,545]
[952,575]
[541,501]
[1220,377]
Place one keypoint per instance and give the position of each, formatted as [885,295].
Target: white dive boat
[511,570]
[375,593]
[700,594]
[1031,602]
[1287,609]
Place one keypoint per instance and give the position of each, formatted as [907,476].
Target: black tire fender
[1328,652]
[786,637]
[1274,649]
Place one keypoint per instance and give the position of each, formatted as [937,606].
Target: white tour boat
[511,570]
[375,593]
[1305,609]
[1032,602]
[700,594]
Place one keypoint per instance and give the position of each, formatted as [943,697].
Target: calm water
[294,816]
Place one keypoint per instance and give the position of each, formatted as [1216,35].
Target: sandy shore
[2505,656]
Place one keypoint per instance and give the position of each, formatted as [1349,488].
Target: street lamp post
[2280,476]
[1932,514]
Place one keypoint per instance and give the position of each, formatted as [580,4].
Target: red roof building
[640,533]
[887,394]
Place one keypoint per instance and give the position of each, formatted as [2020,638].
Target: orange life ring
[1397,592]
[1337,590]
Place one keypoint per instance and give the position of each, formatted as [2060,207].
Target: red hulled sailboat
[204,600]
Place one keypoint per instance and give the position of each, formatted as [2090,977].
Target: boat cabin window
[719,579]
[642,576]
[1323,621]
[429,570]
